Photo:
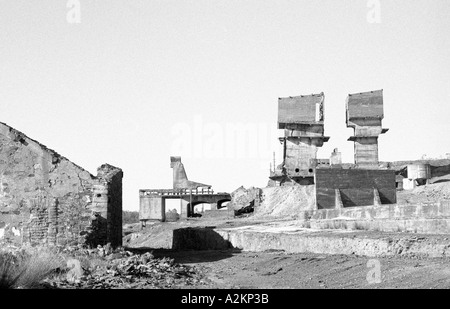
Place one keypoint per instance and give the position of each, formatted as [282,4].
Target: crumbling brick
[48,199]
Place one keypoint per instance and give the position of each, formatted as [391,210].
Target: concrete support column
[184,209]
[376,198]
[338,200]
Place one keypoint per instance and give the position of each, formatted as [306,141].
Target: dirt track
[266,270]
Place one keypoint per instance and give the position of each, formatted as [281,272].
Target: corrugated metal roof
[365,105]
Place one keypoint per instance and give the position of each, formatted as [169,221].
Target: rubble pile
[437,191]
[132,271]
[434,192]
[286,201]
[243,200]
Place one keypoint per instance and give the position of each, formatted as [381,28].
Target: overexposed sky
[132,82]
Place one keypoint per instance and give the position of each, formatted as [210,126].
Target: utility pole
[190,202]
[274,161]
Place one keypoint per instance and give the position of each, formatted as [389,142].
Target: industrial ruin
[47,199]
[364,113]
[190,193]
[311,205]
[361,184]
[302,119]
[317,191]
[323,190]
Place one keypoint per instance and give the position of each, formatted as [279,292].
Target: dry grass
[26,270]
[10,270]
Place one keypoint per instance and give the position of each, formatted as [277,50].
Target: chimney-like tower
[302,118]
[364,113]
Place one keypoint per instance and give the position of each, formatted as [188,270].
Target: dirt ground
[265,270]
[268,270]
[237,269]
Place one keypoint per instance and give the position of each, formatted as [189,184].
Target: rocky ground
[438,189]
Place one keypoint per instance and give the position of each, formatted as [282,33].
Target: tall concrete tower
[302,118]
[364,112]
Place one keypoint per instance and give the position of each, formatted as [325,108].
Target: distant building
[152,202]
[336,157]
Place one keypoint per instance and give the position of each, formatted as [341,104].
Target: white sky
[138,81]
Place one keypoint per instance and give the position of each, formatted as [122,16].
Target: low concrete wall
[423,218]
[392,211]
[423,226]
[303,242]
[198,239]
[292,238]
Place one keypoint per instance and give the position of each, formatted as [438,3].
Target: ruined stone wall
[111,178]
[45,198]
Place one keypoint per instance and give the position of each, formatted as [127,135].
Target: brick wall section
[111,178]
[356,187]
[47,199]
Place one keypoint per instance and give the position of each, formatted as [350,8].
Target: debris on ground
[245,210]
[285,202]
[243,200]
[132,271]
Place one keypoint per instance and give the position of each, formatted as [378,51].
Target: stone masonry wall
[45,198]
[110,191]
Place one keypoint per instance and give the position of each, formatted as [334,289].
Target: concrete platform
[432,218]
[291,237]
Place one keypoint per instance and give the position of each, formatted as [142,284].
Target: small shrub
[10,270]
[38,266]
[172,216]
[129,217]
[27,270]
